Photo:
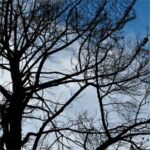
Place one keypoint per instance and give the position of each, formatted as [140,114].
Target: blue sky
[142,21]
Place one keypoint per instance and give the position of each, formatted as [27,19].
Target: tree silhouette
[34,36]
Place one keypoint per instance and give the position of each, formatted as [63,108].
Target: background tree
[35,36]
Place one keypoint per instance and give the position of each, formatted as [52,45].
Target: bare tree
[35,36]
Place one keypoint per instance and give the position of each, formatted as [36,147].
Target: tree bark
[14,136]
[13,139]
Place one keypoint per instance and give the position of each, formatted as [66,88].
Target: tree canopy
[54,51]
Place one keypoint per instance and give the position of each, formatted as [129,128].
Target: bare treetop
[35,38]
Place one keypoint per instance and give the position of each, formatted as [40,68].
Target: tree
[34,35]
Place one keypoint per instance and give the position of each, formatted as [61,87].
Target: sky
[139,25]
[135,27]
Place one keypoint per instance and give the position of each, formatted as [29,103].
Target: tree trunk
[13,139]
